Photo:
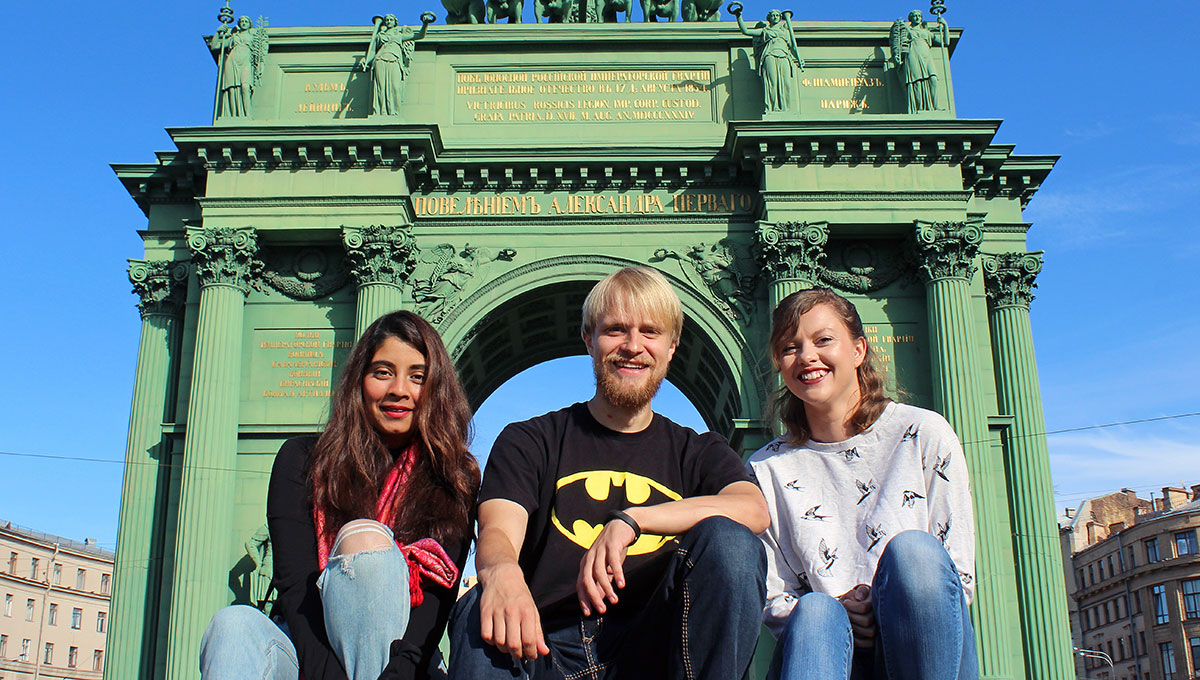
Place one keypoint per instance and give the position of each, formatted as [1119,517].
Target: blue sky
[1115,321]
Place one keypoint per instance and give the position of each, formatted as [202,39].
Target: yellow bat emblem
[598,484]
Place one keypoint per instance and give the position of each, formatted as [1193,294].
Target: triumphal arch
[486,175]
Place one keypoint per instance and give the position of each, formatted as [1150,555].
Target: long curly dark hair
[786,406]
[350,460]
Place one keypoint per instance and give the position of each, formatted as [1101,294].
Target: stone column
[381,259]
[1008,278]
[161,286]
[791,255]
[946,254]
[225,263]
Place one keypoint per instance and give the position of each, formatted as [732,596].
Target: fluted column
[161,287]
[381,258]
[1009,279]
[790,254]
[946,254]
[225,263]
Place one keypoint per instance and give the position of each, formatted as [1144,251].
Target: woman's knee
[915,561]
[238,619]
[362,535]
[816,611]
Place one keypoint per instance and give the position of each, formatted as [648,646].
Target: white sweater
[835,506]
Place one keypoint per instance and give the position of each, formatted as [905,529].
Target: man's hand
[509,619]
[857,602]
[600,570]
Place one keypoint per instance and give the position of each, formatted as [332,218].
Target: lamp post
[1095,654]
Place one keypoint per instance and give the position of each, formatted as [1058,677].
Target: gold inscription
[302,366]
[584,204]
[859,104]
[842,82]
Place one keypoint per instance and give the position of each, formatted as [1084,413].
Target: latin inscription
[585,204]
[301,362]
[583,96]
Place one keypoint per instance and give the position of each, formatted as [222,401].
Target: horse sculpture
[701,10]
[464,11]
[505,9]
[653,10]
[610,8]
[555,11]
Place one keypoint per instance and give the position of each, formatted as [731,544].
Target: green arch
[531,314]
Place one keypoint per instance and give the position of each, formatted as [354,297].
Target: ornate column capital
[380,254]
[1008,278]
[160,284]
[225,256]
[792,250]
[946,250]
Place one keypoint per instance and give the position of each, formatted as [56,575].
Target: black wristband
[624,517]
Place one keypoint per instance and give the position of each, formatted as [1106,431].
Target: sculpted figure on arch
[243,51]
[778,60]
[612,542]
[917,68]
[389,57]
[464,11]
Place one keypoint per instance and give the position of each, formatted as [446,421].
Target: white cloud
[1089,464]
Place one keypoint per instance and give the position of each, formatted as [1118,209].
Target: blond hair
[634,292]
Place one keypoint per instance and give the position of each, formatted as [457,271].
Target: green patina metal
[486,175]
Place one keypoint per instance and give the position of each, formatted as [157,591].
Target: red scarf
[426,558]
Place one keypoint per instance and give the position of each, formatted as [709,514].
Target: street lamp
[1095,654]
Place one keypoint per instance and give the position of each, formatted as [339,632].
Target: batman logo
[597,486]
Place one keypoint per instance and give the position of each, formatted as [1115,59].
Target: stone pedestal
[946,254]
[1044,614]
[381,258]
[225,263]
[161,285]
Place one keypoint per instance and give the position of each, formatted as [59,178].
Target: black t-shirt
[568,471]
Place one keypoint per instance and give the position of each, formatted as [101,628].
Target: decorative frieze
[380,254]
[719,269]
[445,271]
[225,256]
[1009,278]
[946,250]
[161,286]
[792,250]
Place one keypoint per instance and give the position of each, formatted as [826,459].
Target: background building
[56,597]
[1133,574]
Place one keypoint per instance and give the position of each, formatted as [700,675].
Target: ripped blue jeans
[366,604]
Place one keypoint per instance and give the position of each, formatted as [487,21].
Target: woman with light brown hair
[370,524]
[870,552]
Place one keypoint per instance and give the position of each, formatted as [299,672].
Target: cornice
[1001,174]
[865,196]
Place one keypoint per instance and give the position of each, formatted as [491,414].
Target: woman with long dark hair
[871,548]
[370,524]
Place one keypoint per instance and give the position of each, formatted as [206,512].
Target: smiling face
[819,364]
[630,356]
[391,390]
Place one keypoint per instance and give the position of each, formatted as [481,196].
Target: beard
[621,393]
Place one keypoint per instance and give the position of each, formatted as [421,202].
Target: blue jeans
[923,628]
[366,604]
[702,622]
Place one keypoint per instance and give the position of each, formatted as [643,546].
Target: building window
[1167,650]
[1117,606]
[1092,574]
[57,574]
[29,610]
[1159,595]
[1191,598]
[48,656]
[1090,622]
[1079,578]
[1111,569]
[1130,560]
[98,660]
[72,657]
[1185,543]
[8,604]
[80,578]
[1121,647]
[33,568]
[1151,550]
[12,563]
[77,618]
[24,650]
[1142,642]
[104,583]
[3,646]
[52,615]
[101,618]
[1194,643]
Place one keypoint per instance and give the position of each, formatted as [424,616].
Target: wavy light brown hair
[787,407]
[350,460]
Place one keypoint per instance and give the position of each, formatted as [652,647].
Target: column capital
[379,253]
[792,250]
[225,256]
[161,286]
[1008,278]
[946,250]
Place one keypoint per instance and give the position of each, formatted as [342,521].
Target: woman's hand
[600,570]
[857,602]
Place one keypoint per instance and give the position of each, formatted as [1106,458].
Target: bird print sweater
[834,506]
